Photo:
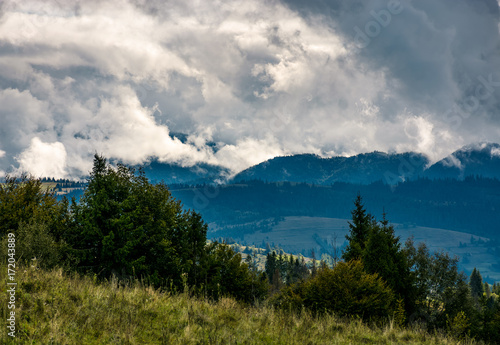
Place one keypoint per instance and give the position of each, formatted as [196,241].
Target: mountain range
[482,159]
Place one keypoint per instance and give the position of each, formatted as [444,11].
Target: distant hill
[360,169]
[174,173]
[468,206]
[474,160]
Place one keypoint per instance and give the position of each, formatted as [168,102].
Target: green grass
[54,308]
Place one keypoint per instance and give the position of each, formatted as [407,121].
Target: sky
[244,80]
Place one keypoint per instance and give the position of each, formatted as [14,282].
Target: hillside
[172,173]
[302,234]
[482,159]
[469,206]
[54,308]
[360,169]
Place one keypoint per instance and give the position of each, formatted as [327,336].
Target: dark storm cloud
[437,52]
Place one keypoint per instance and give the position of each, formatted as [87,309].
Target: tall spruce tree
[271,265]
[476,284]
[487,290]
[383,255]
[359,230]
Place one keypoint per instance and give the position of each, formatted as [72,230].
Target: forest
[126,229]
[445,203]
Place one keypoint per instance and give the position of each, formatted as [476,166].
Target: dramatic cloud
[44,159]
[257,78]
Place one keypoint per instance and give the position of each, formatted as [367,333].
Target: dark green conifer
[476,283]
[359,230]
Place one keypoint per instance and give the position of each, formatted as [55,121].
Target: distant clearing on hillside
[301,234]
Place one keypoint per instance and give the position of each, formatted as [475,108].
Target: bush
[24,200]
[290,298]
[35,242]
[349,290]
[225,274]
[346,290]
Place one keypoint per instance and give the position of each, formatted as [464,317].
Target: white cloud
[452,161]
[248,152]
[43,159]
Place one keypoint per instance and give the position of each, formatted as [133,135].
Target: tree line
[379,276]
[125,227]
[421,201]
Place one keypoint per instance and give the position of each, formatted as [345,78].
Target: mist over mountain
[169,173]
[481,159]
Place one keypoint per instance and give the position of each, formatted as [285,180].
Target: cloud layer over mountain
[259,78]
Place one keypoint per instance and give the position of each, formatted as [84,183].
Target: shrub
[225,274]
[24,200]
[35,242]
[290,298]
[348,290]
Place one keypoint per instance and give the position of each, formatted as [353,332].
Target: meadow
[53,307]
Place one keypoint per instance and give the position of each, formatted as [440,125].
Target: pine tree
[271,265]
[383,255]
[487,290]
[314,269]
[249,262]
[476,284]
[359,230]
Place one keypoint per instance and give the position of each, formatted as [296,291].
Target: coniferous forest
[128,263]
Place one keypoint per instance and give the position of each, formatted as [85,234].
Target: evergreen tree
[359,230]
[383,255]
[250,263]
[304,271]
[314,269]
[271,265]
[125,226]
[476,284]
[226,274]
[487,290]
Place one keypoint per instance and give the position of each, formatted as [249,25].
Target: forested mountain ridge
[470,205]
[360,169]
[481,159]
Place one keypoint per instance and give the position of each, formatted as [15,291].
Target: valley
[302,234]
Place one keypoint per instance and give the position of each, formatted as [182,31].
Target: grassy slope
[56,309]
